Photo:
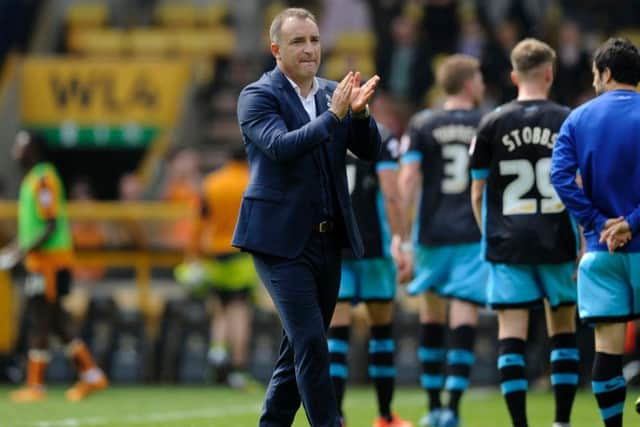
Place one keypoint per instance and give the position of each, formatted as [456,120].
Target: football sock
[37,367]
[460,358]
[381,368]
[81,355]
[609,387]
[513,382]
[218,354]
[431,354]
[564,373]
[338,347]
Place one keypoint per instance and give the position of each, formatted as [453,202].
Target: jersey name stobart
[529,135]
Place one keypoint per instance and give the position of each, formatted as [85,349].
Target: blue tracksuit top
[601,140]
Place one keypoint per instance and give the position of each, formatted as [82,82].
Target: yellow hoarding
[106,92]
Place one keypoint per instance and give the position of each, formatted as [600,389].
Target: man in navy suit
[296,214]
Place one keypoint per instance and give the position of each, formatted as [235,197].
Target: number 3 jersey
[440,140]
[524,220]
[367,198]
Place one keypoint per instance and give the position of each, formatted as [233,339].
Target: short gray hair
[292,12]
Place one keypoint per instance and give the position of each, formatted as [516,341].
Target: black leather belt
[324,227]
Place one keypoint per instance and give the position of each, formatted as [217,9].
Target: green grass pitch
[172,406]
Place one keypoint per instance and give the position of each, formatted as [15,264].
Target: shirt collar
[314,87]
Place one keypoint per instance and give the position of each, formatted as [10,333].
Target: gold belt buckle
[324,227]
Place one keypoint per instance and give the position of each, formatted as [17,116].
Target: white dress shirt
[309,103]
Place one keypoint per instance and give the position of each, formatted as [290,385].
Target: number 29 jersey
[524,220]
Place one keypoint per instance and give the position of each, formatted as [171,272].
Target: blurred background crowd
[136,100]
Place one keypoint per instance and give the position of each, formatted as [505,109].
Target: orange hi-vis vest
[222,192]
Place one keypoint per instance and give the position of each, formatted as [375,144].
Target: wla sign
[111,92]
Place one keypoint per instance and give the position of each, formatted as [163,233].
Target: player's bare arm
[401,247]
[477,190]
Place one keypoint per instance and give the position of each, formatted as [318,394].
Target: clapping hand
[360,95]
[341,97]
[616,233]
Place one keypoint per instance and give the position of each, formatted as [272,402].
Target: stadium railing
[142,258]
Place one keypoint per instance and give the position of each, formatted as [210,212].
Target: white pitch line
[212,413]
[150,418]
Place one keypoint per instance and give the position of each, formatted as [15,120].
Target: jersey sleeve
[564,167]
[46,193]
[480,151]
[411,143]
[389,154]
[633,219]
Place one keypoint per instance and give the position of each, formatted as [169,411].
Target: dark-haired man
[600,140]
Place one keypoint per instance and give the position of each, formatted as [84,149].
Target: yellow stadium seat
[434,97]
[212,15]
[97,42]
[355,43]
[414,11]
[203,70]
[338,65]
[8,325]
[632,34]
[87,15]
[437,60]
[176,15]
[199,42]
[272,10]
[146,42]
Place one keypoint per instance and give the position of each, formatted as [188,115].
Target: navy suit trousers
[304,291]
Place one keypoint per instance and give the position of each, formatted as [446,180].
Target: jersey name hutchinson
[454,133]
[529,135]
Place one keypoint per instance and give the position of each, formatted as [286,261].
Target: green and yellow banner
[82,102]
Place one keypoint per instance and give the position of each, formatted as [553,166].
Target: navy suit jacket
[276,212]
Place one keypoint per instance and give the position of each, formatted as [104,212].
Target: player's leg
[381,362]
[513,325]
[91,377]
[512,289]
[432,271]
[467,289]
[565,360]
[339,332]
[38,312]
[608,289]
[381,350]
[237,313]
[218,354]
[608,384]
[560,310]
[232,279]
[378,290]
[634,273]
[463,321]
[432,353]
[338,339]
